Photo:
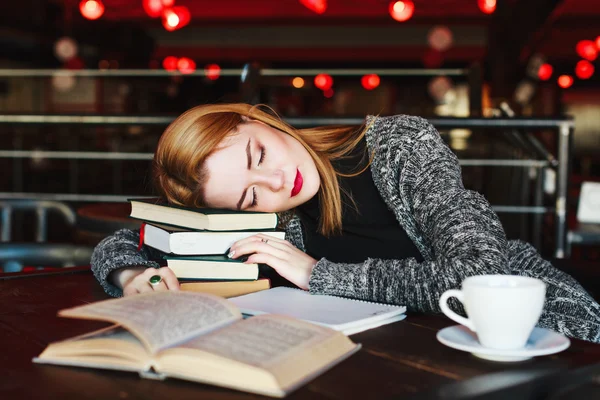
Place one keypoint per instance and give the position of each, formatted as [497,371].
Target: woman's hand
[289,262]
[137,280]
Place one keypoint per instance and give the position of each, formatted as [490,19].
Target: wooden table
[401,360]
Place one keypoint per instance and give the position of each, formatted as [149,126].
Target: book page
[161,319]
[110,348]
[113,332]
[261,341]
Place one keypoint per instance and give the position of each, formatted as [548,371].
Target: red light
[328,93]
[587,49]
[170,63]
[91,9]
[598,42]
[370,81]
[323,81]
[74,63]
[186,65]
[401,10]
[487,6]
[545,72]
[565,81]
[212,71]
[318,6]
[433,59]
[584,69]
[154,8]
[175,18]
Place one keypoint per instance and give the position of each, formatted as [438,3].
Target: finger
[130,290]
[283,268]
[270,239]
[145,276]
[159,287]
[143,287]
[295,275]
[142,281]
[257,238]
[278,244]
[151,271]
[269,259]
[257,242]
[260,247]
[169,278]
[249,239]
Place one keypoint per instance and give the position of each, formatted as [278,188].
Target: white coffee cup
[502,309]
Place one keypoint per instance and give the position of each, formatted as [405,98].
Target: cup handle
[451,314]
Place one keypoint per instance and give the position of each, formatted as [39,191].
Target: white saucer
[541,342]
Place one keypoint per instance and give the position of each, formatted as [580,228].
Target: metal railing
[236,72]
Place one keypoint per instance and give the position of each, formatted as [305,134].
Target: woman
[379,213]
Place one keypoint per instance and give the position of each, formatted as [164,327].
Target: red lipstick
[297,183]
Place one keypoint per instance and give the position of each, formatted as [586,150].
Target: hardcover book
[227,288]
[156,210]
[203,338]
[180,241]
[215,268]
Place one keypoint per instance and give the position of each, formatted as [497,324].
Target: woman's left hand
[289,262]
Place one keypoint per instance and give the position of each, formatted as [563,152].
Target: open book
[203,338]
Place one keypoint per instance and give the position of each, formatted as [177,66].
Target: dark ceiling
[555,35]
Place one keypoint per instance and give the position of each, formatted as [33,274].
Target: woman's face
[260,168]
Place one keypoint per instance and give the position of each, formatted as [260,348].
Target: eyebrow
[249,156]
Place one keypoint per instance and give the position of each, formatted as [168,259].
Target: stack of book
[196,242]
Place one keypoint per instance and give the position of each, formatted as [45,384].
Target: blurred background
[87,87]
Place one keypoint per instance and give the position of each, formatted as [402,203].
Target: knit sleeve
[460,228]
[120,250]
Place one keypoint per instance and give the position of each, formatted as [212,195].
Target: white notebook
[346,315]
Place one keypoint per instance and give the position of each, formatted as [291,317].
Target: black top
[372,233]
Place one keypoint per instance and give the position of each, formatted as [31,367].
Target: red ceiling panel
[570,21]
[210,10]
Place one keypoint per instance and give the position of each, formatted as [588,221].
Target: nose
[273,179]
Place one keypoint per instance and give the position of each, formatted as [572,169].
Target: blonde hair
[178,167]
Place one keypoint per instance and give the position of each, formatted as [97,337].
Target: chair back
[15,256]
[41,208]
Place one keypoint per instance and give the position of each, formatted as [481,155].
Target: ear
[245,118]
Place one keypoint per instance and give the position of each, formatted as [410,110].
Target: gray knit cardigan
[455,230]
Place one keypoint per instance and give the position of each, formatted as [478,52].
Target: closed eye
[262,155]
[254,198]
[260,161]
